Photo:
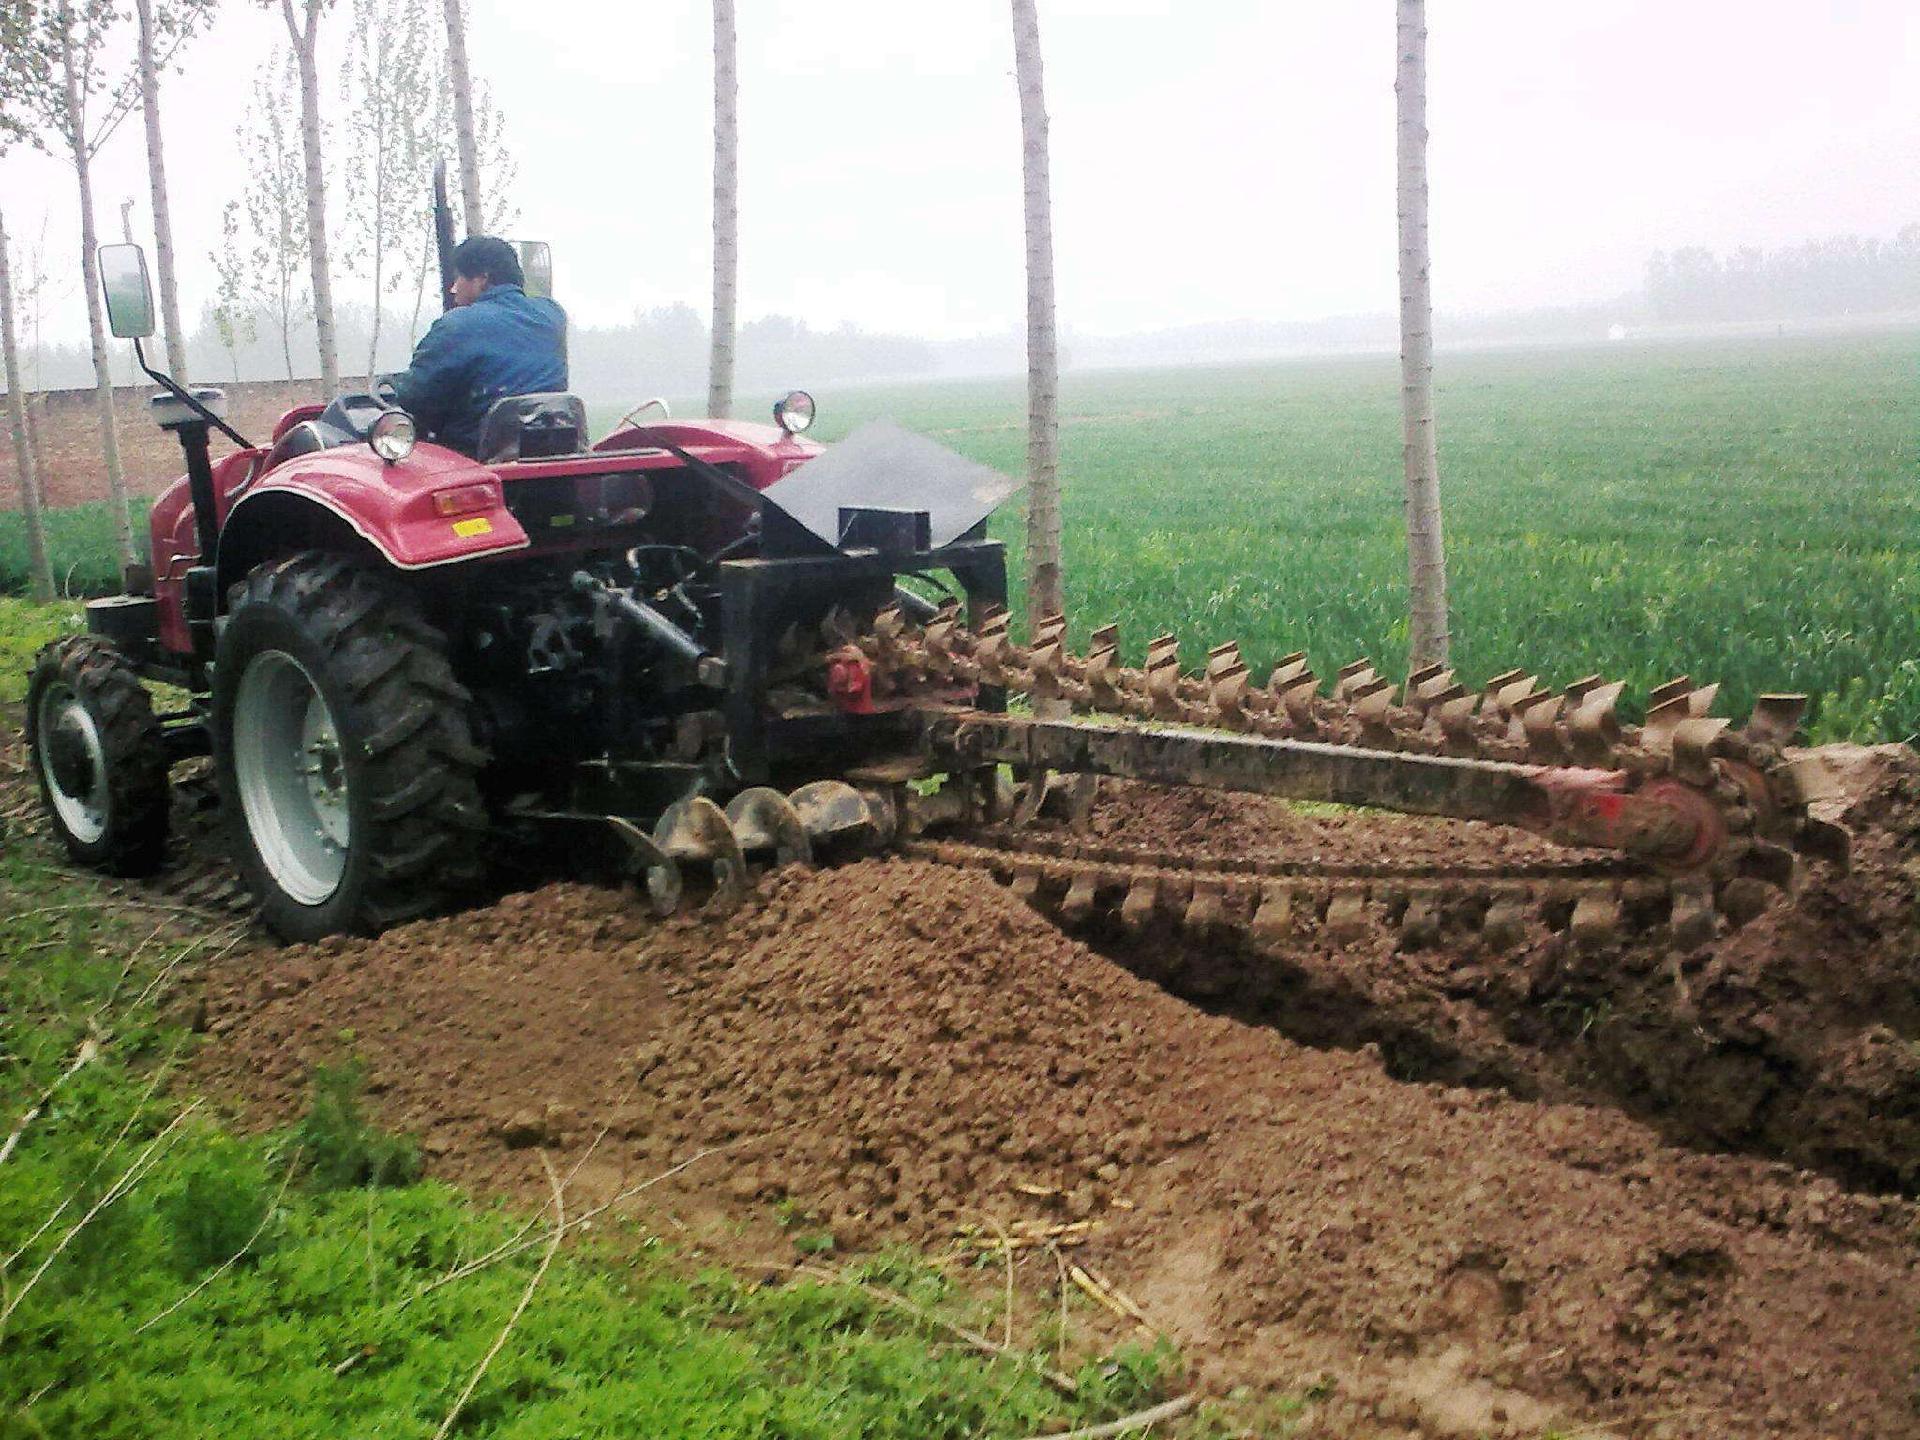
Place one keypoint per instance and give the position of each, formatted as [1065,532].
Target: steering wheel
[640,409]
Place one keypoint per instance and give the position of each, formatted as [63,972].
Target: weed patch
[338,1148]
[82,547]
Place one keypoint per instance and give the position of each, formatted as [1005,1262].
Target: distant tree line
[1841,275]
[664,351]
[667,350]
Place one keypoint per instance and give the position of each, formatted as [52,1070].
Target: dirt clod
[895,1050]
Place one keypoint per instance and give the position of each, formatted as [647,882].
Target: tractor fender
[761,453]
[394,517]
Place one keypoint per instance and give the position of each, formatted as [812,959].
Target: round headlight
[392,435]
[793,412]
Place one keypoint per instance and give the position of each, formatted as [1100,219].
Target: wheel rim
[291,777]
[73,761]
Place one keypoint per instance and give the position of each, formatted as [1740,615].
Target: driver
[497,341]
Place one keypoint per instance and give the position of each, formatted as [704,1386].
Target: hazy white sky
[1213,159]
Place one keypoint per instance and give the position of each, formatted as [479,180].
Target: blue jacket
[502,344]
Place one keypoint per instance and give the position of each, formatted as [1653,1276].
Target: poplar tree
[234,317]
[1045,592]
[726,207]
[15,55]
[276,204]
[39,568]
[162,32]
[302,19]
[465,129]
[1428,636]
[390,77]
[65,43]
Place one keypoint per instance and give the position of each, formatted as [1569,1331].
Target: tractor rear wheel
[99,756]
[347,766]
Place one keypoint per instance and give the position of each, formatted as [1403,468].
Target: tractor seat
[305,438]
[532,427]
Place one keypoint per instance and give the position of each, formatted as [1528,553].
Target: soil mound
[1797,1036]
[917,1048]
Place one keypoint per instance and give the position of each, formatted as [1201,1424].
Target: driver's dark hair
[487,255]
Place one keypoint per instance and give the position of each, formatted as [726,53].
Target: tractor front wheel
[347,766]
[99,756]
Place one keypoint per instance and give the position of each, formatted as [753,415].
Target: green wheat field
[1747,512]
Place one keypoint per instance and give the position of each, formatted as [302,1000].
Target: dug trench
[895,1052]
[1791,1038]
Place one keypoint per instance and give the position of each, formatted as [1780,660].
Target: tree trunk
[305,41]
[459,78]
[1044,588]
[726,208]
[157,179]
[379,228]
[36,408]
[419,294]
[96,320]
[373,339]
[39,571]
[1428,636]
[285,313]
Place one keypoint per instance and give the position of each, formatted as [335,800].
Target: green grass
[24,628]
[1744,512]
[311,1333]
[81,549]
[1748,513]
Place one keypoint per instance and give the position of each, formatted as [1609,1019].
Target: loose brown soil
[1406,1183]
[899,1050]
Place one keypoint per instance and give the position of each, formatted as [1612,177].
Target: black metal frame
[1412,784]
[760,598]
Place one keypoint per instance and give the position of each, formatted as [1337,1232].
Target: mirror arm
[188,400]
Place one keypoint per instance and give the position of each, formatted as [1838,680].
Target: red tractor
[389,649]
[691,638]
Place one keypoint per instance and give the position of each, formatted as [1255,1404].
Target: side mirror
[123,280]
[536,263]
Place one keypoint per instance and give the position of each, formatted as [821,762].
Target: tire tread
[427,822]
[138,796]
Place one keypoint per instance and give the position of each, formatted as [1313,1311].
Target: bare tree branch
[553,1246]
[88,1052]
[132,1176]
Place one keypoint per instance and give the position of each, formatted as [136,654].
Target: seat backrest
[532,427]
[302,439]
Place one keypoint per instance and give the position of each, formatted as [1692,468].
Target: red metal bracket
[1665,821]
[850,681]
